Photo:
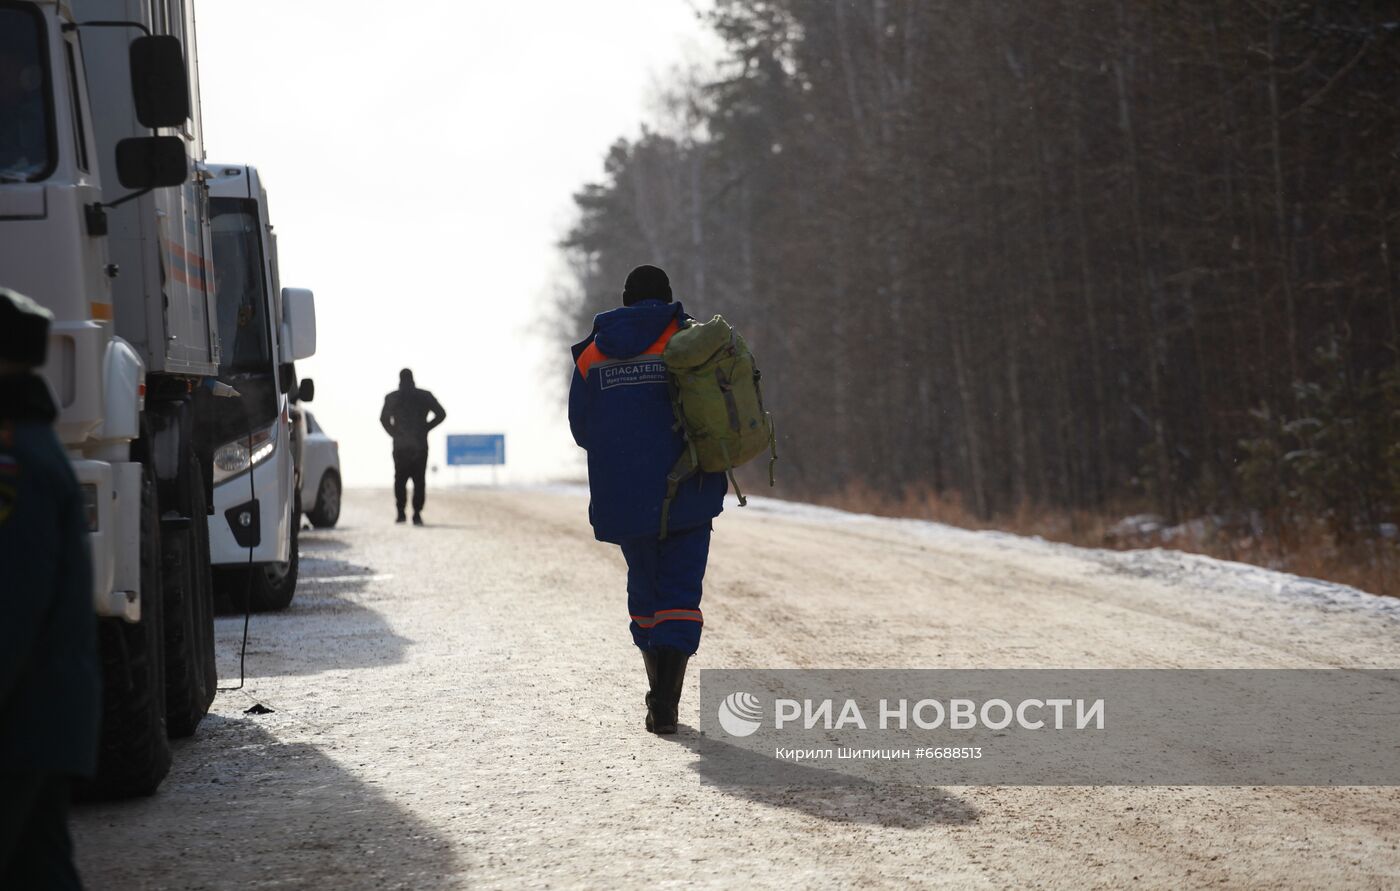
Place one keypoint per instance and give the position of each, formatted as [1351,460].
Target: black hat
[646,283]
[24,329]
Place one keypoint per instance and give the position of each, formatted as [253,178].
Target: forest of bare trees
[1078,256]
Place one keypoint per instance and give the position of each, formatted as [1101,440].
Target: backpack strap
[680,421]
[772,431]
[772,447]
[671,485]
[730,406]
[729,471]
[685,466]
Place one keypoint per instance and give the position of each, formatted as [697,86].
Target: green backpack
[718,405]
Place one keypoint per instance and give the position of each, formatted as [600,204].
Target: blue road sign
[476,448]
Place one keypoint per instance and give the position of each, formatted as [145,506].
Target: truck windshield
[240,287]
[26,119]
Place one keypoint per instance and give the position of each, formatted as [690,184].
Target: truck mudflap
[113,495]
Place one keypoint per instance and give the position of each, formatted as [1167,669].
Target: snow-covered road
[460,705]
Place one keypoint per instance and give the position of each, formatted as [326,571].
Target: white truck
[104,220]
[264,329]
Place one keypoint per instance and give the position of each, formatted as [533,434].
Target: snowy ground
[460,706]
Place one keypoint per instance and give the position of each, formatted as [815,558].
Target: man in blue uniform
[49,683]
[620,412]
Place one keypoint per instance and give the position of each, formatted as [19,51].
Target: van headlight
[233,458]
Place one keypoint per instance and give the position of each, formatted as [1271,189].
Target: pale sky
[420,160]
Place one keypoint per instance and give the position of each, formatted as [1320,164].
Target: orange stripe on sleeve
[659,347]
[591,355]
[586,359]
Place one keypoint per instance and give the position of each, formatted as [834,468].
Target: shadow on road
[820,793]
[318,543]
[243,809]
[327,627]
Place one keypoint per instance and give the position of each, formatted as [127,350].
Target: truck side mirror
[306,390]
[298,324]
[159,82]
[152,162]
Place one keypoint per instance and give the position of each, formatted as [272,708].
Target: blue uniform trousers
[664,586]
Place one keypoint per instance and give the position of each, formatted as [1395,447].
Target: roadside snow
[1222,577]
[1175,567]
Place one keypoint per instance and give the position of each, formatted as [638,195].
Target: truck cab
[51,251]
[250,429]
[104,223]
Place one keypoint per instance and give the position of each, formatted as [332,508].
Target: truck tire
[261,589]
[189,638]
[206,619]
[134,749]
[230,590]
[326,512]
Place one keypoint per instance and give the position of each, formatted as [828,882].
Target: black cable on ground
[248,581]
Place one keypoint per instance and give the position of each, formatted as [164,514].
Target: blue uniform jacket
[49,682]
[620,412]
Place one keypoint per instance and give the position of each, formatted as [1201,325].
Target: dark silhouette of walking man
[405,418]
[49,682]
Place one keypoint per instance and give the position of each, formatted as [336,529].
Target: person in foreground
[405,418]
[49,682]
[620,413]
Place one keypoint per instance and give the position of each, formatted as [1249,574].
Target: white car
[320,475]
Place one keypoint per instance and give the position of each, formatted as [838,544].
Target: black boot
[666,692]
[650,661]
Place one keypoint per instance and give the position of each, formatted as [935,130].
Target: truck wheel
[134,750]
[327,510]
[230,589]
[188,615]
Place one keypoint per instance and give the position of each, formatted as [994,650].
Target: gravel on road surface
[460,705]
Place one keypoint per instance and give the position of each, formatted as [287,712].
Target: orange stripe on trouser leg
[664,580]
[679,615]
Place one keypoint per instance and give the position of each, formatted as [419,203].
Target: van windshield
[239,287]
[26,119]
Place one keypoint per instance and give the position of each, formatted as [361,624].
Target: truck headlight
[232,458]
